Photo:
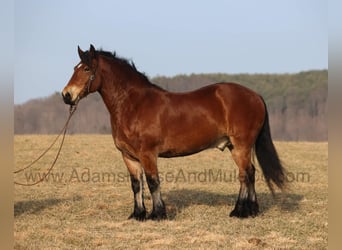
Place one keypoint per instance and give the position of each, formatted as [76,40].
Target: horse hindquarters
[245,115]
[268,159]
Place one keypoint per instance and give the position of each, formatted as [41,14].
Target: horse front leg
[152,178]
[136,173]
[158,211]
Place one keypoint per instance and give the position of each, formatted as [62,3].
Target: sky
[166,38]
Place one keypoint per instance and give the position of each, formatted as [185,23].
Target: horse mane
[121,60]
[128,63]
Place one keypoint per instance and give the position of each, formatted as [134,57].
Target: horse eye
[86,69]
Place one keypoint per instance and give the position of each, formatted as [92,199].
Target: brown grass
[88,205]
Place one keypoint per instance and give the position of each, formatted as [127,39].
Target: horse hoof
[138,216]
[245,209]
[157,216]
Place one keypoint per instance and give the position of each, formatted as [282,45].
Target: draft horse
[149,122]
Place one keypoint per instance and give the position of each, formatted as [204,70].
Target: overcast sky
[167,37]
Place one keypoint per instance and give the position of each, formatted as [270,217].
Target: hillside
[297,105]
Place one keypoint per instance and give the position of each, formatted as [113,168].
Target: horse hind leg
[246,204]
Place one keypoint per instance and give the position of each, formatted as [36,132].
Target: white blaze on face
[79,65]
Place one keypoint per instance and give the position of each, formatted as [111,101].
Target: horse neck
[117,81]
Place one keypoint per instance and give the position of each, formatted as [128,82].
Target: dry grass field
[85,202]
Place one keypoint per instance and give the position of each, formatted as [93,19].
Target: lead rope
[63,131]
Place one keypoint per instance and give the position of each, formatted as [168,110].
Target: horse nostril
[67,97]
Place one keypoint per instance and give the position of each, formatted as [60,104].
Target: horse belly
[192,141]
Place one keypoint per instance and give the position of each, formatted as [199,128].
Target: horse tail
[268,157]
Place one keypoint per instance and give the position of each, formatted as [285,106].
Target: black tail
[268,158]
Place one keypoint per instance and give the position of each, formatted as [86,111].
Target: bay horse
[149,122]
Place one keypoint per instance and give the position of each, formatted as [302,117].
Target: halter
[86,88]
[91,79]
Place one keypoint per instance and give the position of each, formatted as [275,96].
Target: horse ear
[80,52]
[92,51]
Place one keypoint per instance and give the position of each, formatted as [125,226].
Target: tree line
[297,105]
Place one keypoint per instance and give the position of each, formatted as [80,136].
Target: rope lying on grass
[63,131]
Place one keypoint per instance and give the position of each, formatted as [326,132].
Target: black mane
[123,61]
[117,58]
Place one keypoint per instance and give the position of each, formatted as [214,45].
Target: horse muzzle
[68,98]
